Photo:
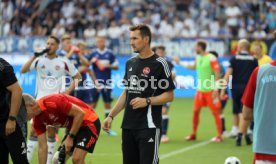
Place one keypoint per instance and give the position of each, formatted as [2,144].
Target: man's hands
[107,124]
[68,143]
[10,127]
[138,102]
[41,52]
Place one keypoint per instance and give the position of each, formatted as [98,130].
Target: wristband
[12,118]
[71,135]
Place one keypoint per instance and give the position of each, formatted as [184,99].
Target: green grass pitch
[177,151]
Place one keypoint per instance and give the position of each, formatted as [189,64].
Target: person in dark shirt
[11,138]
[149,85]
[240,69]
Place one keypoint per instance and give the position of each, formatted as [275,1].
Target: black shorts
[237,104]
[106,93]
[86,137]
[14,145]
[141,146]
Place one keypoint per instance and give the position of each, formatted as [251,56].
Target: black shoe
[248,140]
[239,139]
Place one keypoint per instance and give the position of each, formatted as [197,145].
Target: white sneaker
[225,134]
[233,134]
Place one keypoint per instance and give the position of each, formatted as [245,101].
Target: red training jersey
[55,109]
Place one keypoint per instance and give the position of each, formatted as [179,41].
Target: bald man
[240,68]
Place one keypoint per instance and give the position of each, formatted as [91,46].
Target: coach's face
[138,42]
[52,45]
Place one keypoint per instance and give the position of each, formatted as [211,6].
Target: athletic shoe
[112,133]
[225,134]
[248,139]
[233,134]
[164,139]
[217,139]
[239,139]
[191,137]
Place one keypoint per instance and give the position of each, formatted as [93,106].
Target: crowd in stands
[167,18]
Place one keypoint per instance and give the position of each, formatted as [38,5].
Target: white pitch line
[185,149]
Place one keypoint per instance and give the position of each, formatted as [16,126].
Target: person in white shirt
[50,79]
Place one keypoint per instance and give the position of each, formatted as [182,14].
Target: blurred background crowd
[167,18]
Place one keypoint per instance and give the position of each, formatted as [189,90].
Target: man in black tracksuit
[149,85]
[11,138]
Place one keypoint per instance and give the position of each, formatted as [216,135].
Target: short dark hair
[202,44]
[55,38]
[144,30]
[274,34]
[161,47]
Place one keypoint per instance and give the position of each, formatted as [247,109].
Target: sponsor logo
[151,140]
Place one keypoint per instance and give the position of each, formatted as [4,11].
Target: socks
[222,122]
[32,143]
[217,121]
[165,123]
[235,130]
[106,112]
[195,120]
[51,149]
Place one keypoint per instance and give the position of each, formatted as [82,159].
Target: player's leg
[223,104]
[198,103]
[16,145]
[51,143]
[31,144]
[78,156]
[107,98]
[243,124]
[95,98]
[129,147]
[149,140]
[236,109]
[215,106]
[85,141]
[4,151]
[165,123]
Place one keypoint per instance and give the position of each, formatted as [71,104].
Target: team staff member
[11,138]
[50,70]
[61,110]
[143,103]
[241,67]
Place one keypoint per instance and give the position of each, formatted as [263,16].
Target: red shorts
[205,99]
